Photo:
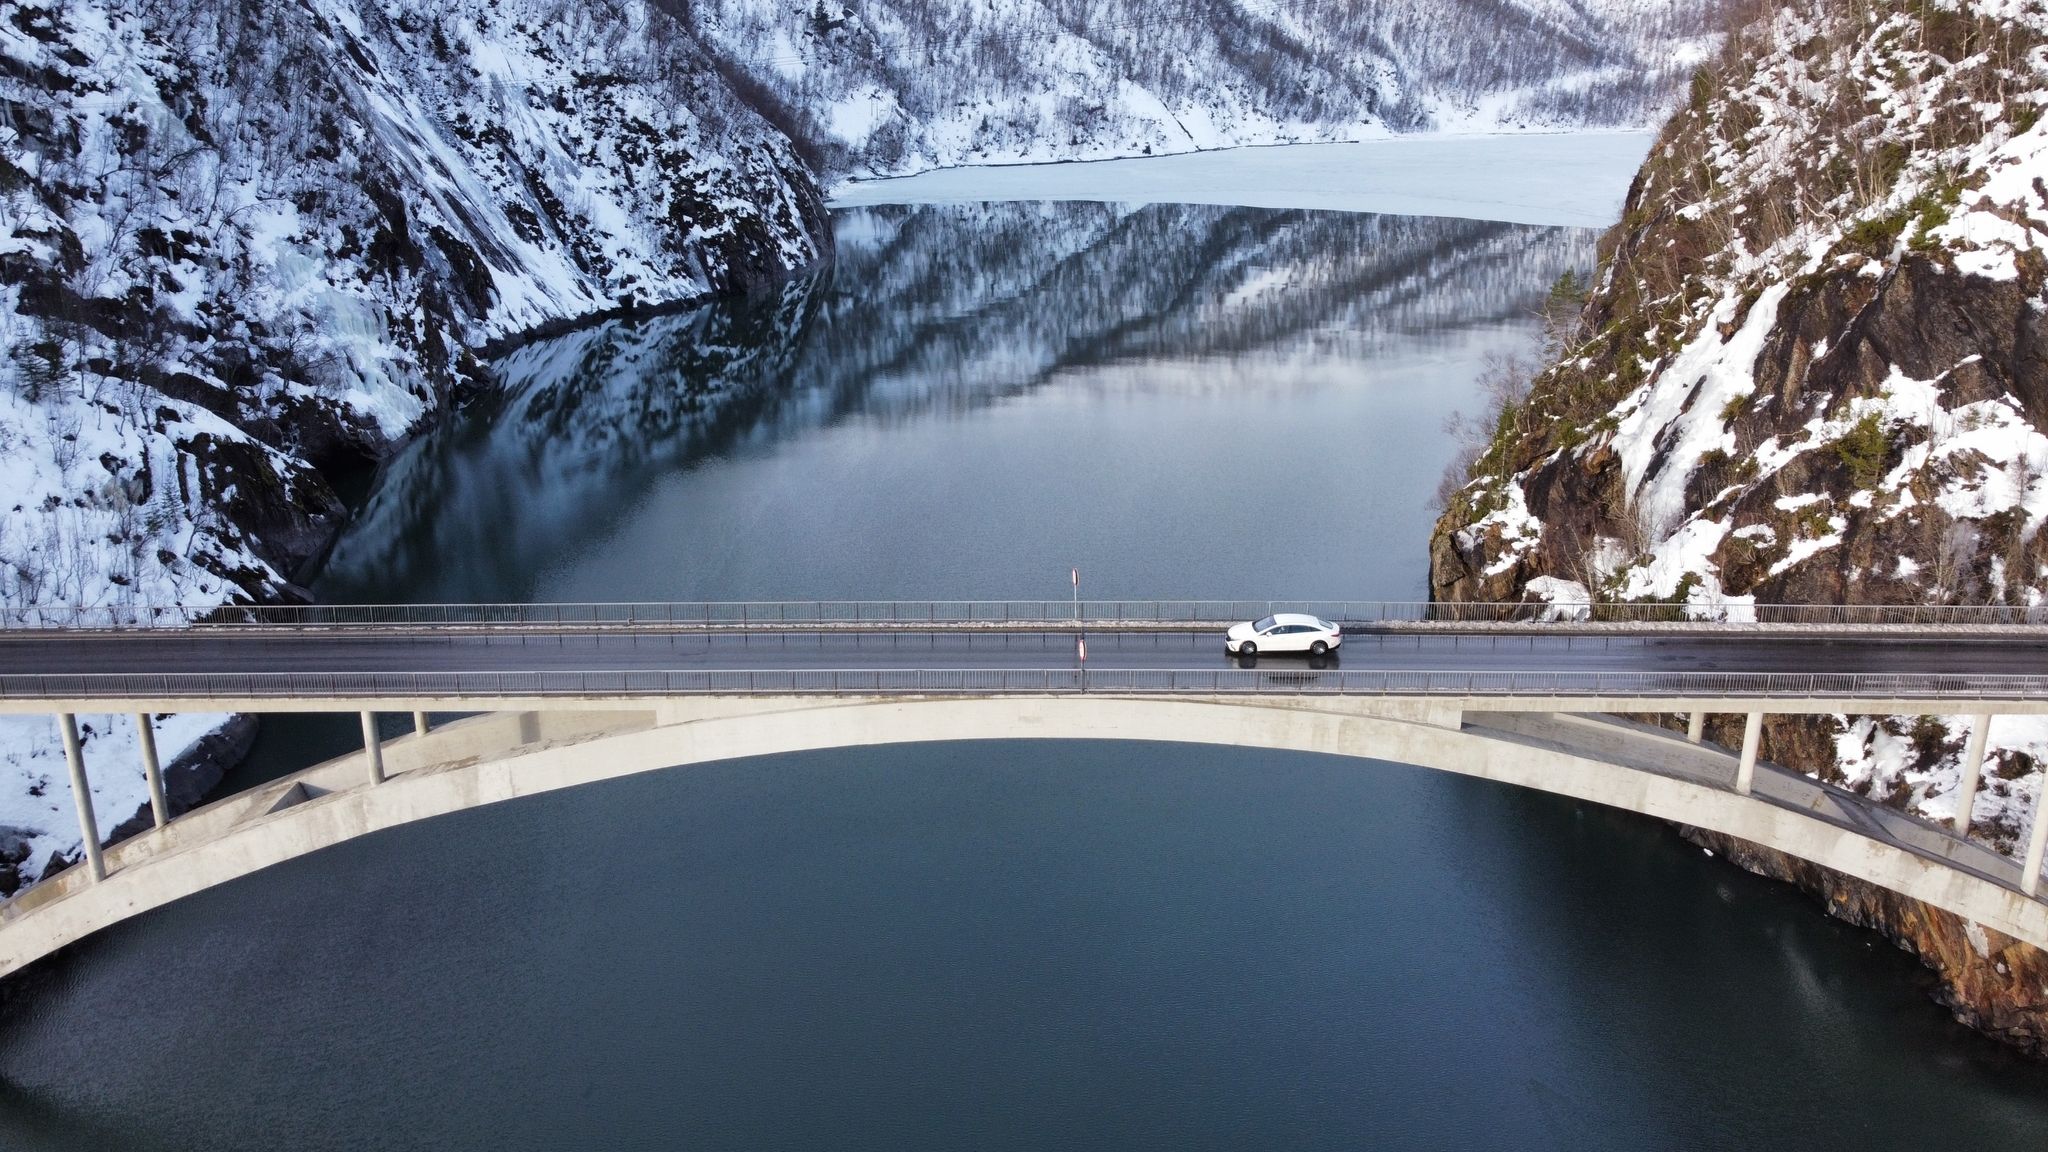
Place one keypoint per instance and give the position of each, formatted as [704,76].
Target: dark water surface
[1001,945]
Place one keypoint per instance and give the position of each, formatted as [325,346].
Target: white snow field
[1576,179]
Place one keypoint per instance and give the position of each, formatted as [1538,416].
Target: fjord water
[1182,401]
[1007,944]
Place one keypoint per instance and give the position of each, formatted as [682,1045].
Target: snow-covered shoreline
[37,818]
[888,88]
[1572,179]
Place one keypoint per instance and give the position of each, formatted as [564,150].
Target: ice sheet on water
[1570,179]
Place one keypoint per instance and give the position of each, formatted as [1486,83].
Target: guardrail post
[1973,767]
[2030,872]
[81,796]
[152,770]
[1752,736]
[1696,727]
[419,723]
[373,748]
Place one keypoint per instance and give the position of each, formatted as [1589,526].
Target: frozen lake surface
[1576,180]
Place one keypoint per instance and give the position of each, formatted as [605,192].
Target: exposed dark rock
[189,778]
[1889,299]
[187,781]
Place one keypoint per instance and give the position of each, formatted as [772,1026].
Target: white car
[1283,632]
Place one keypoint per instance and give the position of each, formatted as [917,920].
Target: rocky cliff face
[1814,369]
[242,243]
[245,247]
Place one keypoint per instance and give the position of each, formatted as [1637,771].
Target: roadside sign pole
[1080,634]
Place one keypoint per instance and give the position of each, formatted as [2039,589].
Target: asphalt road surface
[395,650]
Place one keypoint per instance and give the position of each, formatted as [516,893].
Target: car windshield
[1262,625]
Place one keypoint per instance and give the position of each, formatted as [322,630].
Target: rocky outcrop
[248,247]
[192,776]
[246,250]
[1860,490]
[1814,369]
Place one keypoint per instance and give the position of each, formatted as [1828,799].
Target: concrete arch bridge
[553,701]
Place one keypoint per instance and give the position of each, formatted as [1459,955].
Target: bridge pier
[81,796]
[1752,736]
[1973,767]
[373,748]
[2037,844]
[152,770]
[419,723]
[1696,728]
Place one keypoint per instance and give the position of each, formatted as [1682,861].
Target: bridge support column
[1752,736]
[152,770]
[419,723]
[2037,844]
[1973,767]
[373,748]
[1696,728]
[81,796]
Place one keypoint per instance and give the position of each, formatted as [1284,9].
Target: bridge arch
[493,759]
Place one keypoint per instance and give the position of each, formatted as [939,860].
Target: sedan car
[1283,632]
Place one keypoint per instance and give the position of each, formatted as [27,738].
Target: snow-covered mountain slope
[244,244]
[240,241]
[884,87]
[1815,369]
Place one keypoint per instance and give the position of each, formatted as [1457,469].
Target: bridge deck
[404,661]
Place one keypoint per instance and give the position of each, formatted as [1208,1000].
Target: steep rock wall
[246,248]
[1814,370]
[244,243]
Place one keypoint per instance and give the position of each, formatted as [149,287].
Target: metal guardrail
[967,612]
[1288,679]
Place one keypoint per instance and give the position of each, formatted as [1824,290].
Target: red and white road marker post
[1080,635]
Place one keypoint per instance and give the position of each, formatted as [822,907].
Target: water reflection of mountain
[928,309]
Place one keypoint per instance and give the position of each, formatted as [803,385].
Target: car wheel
[1319,649]
[1247,649]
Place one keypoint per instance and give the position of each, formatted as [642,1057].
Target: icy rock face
[242,245]
[241,242]
[887,87]
[1814,370]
